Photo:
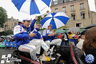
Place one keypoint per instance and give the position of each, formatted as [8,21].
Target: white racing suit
[37,41]
[21,36]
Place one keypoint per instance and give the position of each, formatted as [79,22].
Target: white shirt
[80,43]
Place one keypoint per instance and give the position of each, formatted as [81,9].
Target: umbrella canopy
[55,19]
[60,31]
[74,29]
[90,26]
[32,6]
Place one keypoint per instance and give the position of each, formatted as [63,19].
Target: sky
[12,11]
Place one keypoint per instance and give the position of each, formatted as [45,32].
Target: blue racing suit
[21,34]
[46,37]
[50,39]
[38,34]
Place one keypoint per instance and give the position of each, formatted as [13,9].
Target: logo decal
[8,59]
[89,58]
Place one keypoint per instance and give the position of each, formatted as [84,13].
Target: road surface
[4,53]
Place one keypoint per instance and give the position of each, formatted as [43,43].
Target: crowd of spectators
[69,38]
[7,39]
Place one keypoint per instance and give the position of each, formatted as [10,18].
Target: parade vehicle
[70,55]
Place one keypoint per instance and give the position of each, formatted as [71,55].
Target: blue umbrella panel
[55,19]
[32,6]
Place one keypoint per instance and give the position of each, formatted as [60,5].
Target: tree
[3,16]
[39,19]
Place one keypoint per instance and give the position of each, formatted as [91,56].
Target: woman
[89,47]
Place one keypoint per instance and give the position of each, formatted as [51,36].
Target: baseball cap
[27,19]
[49,25]
[38,25]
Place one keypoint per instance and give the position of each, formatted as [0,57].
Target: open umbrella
[32,6]
[92,25]
[74,29]
[55,19]
[60,30]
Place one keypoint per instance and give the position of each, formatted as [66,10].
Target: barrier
[2,44]
[7,44]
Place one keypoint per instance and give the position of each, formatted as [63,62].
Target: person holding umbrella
[21,35]
[49,37]
[37,40]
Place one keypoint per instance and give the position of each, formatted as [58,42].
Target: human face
[50,27]
[38,26]
[26,24]
[83,37]
[72,32]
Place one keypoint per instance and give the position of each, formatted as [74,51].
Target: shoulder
[18,26]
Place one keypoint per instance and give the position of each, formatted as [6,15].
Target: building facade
[77,10]
[10,23]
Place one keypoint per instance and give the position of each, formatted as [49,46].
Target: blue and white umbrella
[32,6]
[55,19]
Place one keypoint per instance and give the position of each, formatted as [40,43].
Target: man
[36,39]
[21,35]
[49,37]
[81,40]
[71,38]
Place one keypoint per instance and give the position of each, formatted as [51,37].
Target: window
[73,16]
[81,6]
[64,1]
[78,24]
[64,9]
[56,10]
[55,2]
[83,15]
[72,7]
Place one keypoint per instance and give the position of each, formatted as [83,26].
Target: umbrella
[32,6]
[92,25]
[60,31]
[55,19]
[74,29]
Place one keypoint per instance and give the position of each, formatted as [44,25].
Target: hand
[55,33]
[51,34]
[36,18]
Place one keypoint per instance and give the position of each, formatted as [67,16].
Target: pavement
[4,54]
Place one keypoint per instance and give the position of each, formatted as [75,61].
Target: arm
[33,33]
[33,22]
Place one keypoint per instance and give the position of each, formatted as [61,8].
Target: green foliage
[8,32]
[38,21]
[3,16]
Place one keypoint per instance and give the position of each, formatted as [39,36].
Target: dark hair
[90,39]
[69,32]
[83,32]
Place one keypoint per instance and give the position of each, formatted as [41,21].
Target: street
[4,54]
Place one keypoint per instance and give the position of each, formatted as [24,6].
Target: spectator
[12,39]
[59,35]
[71,38]
[65,39]
[89,47]
[78,33]
[81,40]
